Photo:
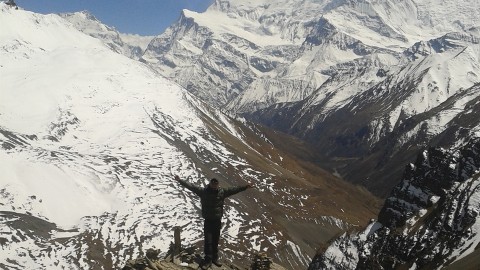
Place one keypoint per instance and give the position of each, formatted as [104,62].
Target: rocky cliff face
[431,219]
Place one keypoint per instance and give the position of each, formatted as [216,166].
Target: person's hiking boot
[217,263]
[205,265]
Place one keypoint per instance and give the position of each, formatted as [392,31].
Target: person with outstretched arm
[212,197]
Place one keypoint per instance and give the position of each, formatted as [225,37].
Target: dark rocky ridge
[428,220]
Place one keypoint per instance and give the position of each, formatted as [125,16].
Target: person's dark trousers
[211,232]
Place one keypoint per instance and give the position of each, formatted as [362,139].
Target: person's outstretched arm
[234,190]
[195,189]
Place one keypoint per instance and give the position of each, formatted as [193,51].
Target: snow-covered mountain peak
[32,29]
[285,19]
[130,45]
[38,41]
[221,23]
[87,22]
[85,14]
[294,45]
[256,9]
[393,24]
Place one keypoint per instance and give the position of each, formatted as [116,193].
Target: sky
[143,17]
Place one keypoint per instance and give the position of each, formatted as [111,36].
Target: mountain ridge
[132,46]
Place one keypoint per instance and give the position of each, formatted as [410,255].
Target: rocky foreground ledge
[190,259]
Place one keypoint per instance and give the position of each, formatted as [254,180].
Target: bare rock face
[429,179]
[429,220]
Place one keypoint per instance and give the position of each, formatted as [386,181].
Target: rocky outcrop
[430,219]
[190,259]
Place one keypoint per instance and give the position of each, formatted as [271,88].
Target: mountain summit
[130,45]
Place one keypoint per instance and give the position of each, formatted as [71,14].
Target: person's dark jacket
[212,200]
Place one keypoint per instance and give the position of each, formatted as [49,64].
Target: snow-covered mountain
[376,117]
[302,67]
[247,55]
[130,45]
[90,140]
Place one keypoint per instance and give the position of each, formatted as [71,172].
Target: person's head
[213,183]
